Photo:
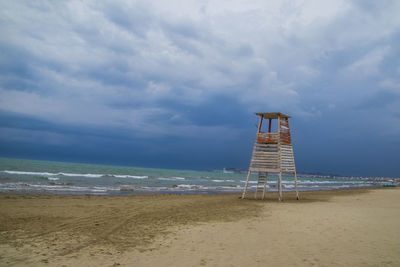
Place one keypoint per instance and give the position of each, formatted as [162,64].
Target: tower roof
[273,115]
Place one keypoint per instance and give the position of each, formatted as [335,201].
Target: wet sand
[325,228]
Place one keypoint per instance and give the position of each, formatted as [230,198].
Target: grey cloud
[117,57]
[136,17]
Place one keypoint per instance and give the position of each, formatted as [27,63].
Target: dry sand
[327,228]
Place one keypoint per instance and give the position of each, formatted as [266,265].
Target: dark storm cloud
[147,72]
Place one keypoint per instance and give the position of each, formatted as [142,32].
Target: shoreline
[152,229]
[334,191]
[182,192]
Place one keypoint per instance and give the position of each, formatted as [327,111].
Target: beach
[356,227]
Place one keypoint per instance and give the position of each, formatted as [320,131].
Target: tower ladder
[261,184]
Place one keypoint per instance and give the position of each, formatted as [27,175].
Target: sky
[175,84]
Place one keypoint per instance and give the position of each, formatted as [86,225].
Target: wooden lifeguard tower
[272,153]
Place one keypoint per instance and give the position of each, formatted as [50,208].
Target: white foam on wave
[223,181]
[67,174]
[89,175]
[30,173]
[131,176]
[179,178]
[64,188]
[53,178]
[288,186]
[189,186]
[250,182]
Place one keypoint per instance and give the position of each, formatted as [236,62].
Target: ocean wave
[30,173]
[170,178]
[88,175]
[250,182]
[223,181]
[54,187]
[67,174]
[130,176]
[179,178]
[188,186]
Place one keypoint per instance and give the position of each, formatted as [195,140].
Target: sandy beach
[325,228]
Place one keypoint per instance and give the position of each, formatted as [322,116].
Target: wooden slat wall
[285,131]
[268,155]
[287,159]
[265,156]
[267,138]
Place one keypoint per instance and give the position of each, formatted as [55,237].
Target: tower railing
[267,138]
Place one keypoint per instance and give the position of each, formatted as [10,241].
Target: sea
[33,176]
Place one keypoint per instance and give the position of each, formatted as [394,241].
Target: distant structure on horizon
[272,153]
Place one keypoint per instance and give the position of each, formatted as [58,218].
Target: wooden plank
[266,154]
[266,146]
[265,183]
[267,166]
[260,169]
[266,151]
[265,160]
[269,135]
[295,182]
[260,148]
[261,156]
[269,126]
[259,161]
[279,141]
[260,165]
[274,146]
[280,186]
[259,124]
[245,186]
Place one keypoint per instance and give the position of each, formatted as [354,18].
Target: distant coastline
[315,175]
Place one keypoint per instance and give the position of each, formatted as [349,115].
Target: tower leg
[280,186]
[295,182]
[245,186]
[258,181]
[265,186]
